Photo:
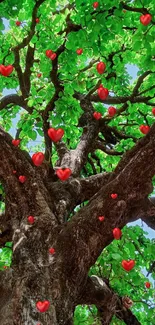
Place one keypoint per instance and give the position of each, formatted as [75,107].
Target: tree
[67,62]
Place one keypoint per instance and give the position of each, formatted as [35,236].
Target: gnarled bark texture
[61,278]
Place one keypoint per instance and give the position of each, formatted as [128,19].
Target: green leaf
[32,134]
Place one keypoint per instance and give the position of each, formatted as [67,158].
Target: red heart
[49,53]
[147,285]
[112,111]
[145,19]
[117,233]
[128,265]
[144,129]
[101,218]
[95,5]
[101,67]
[153,110]
[114,196]
[38,158]
[39,75]
[6,70]
[37,20]
[51,250]
[79,51]
[18,23]
[14,171]
[53,56]
[63,174]
[102,92]
[97,115]
[55,135]
[22,179]
[15,142]
[31,219]
[43,306]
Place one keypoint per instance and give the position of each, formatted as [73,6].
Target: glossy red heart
[14,171]
[63,174]
[128,265]
[18,23]
[79,51]
[144,129]
[145,19]
[53,56]
[51,250]
[147,285]
[114,196]
[112,111]
[117,233]
[6,70]
[16,142]
[31,219]
[43,306]
[37,20]
[55,134]
[97,115]
[38,158]
[101,67]
[153,110]
[22,179]
[101,218]
[103,92]
[95,4]
[49,53]
[39,75]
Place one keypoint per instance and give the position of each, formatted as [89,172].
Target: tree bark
[35,274]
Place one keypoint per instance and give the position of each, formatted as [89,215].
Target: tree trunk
[35,275]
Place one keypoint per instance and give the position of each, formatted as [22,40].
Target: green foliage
[5,256]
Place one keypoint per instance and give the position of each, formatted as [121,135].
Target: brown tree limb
[19,196]
[76,159]
[99,145]
[129,185]
[134,9]
[28,65]
[14,99]
[140,81]
[97,292]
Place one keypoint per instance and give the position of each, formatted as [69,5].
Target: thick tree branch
[116,100]
[29,65]
[76,159]
[14,99]
[134,9]
[99,145]
[147,212]
[97,292]
[140,81]
[128,183]
[19,196]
